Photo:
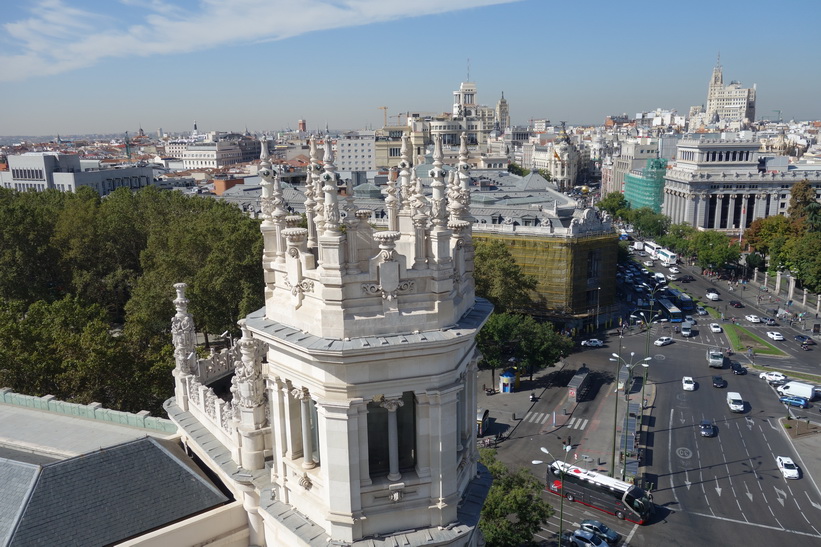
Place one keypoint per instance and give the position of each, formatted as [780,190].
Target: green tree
[516,169]
[545,174]
[514,510]
[678,238]
[615,204]
[539,345]
[499,279]
[812,219]
[802,256]
[714,249]
[801,195]
[496,341]
[649,223]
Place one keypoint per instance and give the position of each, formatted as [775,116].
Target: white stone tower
[354,389]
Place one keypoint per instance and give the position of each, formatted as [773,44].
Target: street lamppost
[567,448]
[627,385]
[644,383]
[617,360]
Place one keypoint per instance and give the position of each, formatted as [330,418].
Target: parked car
[773,335]
[719,381]
[794,400]
[772,375]
[601,530]
[736,304]
[715,327]
[663,341]
[787,467]
[584,538]
[707,428]
[700,310]
[752,318]
[593,343]
[688,384]
[737,368]
[803,339]
[672,277]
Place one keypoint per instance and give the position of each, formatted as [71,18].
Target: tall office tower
[502,113]
[731,103]
[302,125]
[352,404]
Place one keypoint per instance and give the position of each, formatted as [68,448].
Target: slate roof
[103,496]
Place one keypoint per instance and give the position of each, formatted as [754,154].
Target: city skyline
[80,67]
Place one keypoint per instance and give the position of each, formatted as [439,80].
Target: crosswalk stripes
[543,417]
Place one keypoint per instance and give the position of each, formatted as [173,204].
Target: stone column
[804,298]
[791,289]
[743,222]
[392,405]
[777,282]
[717,215]
[688,209]
[731,223]
[702,208]
[755,275]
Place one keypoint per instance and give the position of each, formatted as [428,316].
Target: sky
[73,67]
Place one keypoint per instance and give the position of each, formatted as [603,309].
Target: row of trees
[86,295]
[793,242]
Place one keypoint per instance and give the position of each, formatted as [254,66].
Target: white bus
[651,248]
[667,257]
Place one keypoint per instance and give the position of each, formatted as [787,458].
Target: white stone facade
[726,184]
[354,388]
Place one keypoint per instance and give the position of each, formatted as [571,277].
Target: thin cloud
[58,37]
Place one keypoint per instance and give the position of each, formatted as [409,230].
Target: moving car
[752,318]
[712,296]
[707,428]
[773,335]
[769,321]
[663,341]
[672,277]
[584,538]
[700,310]
[787,467]
[688,383]
[601,530]
[687,278]
[772,375]
[648,263]
[803,339]
[674,269]
[737,368]
[715,327]
[718,381]
[593,343]
[794,400]
[736,304]
[690,319]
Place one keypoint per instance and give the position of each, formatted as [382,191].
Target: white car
[671,277]
[787,467]
[688,383]
[673,269]
[593,343]
[700,310]
[648,263]
[715,327]
[772,376]
[775,335]
[712,296]
[663,341]
[752,318]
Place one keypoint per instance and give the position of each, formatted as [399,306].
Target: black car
[737,368]
[718,381]
[736,304]
[802,339]
[687,278]
[707,428]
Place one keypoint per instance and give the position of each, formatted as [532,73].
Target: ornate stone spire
[266,174]
[316,169]
[437,201]
[310,203]
[404,175]
[331,211]
[183,335]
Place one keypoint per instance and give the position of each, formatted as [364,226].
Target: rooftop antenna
[468,69]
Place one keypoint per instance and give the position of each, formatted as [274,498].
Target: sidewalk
[594,444]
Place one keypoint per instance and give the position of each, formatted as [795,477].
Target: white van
[735,402]
[686,329]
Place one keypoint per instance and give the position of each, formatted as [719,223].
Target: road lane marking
[583,425]
[816,505]
[570,422]
[766,526]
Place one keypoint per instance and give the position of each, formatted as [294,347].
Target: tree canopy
[615,204]
[714,249]
[78,267]
[499,279]
[514,509]
[649,223]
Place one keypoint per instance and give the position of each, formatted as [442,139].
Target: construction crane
[779,115]
[384,110]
